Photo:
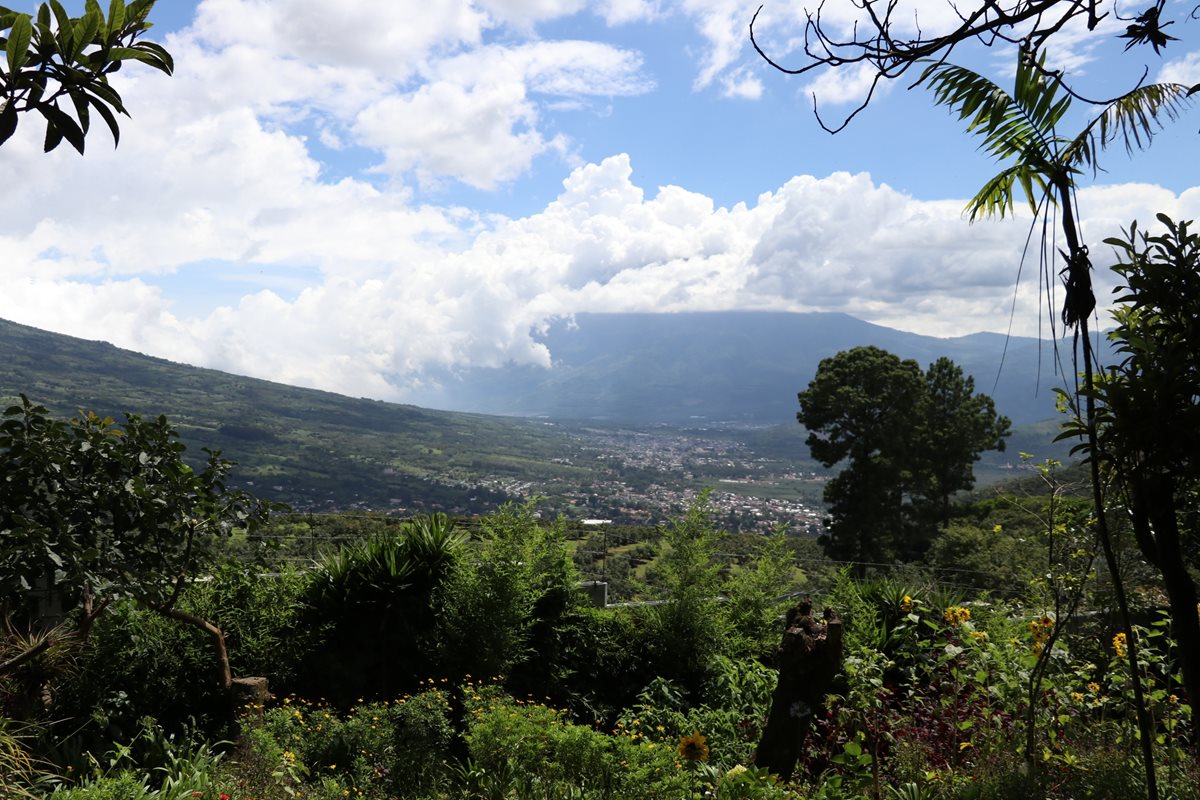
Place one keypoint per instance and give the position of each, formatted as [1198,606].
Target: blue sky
[348,195]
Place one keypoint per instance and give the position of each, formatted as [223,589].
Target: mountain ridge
[728,366]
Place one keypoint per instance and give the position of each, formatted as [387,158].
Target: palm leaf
[1132,118]
[1036,91]
[996,196]
[1020,128]
[1011,124]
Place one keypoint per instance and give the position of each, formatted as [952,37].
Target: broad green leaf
[66,31]
[116,18]
[79,99]
[53,139]
[63,126]
[162,53]
[8,122]
[106,113]
[85,31]
[108,95]
[136,54]
[136,13]
[18,43]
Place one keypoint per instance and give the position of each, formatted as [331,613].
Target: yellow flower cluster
[906,604]
[957,615]
[1041,628]
[1120,644]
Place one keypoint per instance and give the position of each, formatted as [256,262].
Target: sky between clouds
[344,195]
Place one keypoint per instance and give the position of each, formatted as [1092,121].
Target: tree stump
[809,658]
[248,697]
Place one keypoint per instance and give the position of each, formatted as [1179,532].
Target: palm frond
[1012,125]
[1132,118]
[1036,91]
[996,196]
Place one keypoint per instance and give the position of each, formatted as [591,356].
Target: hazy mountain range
[727,366]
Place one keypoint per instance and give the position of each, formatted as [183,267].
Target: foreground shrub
[504,605]
[374,604]
[185,770]
[19,773]
[523,747]
[261,617]
[736,702]
[398,748]
[685,633]
[138,664]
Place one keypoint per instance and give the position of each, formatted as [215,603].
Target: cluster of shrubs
[419,663]
[374,620]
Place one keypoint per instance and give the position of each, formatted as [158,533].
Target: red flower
[224,797]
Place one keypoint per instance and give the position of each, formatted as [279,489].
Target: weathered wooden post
[809,658]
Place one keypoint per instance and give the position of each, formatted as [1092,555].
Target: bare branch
[873,38]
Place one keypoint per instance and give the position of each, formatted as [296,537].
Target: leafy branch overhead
[58,66]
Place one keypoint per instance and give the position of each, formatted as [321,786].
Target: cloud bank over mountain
[294,204]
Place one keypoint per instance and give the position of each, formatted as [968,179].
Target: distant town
[655,474]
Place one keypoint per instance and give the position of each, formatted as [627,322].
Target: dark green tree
[94,512]
[958,425]
[907,440]
[58,66]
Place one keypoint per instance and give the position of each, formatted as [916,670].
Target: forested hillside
[306,447]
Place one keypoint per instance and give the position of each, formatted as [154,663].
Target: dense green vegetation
[424,662]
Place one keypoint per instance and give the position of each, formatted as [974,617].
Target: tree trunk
[809,658]
[1156,520]
[225,676]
